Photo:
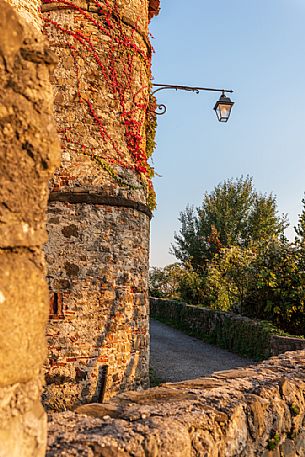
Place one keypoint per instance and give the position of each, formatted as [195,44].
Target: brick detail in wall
[56,306]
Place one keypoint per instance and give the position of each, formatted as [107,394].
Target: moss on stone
[273,442]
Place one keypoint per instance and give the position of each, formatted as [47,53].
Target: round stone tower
[101,199]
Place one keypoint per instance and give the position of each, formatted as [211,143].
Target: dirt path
[177,357]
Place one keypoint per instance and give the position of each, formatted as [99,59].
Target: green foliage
[266,281]
[165,282]
[176,282]
[274,442]
[277,292]
[295,409]
[151,126]
[229,276]
[235,258]
[233,214]
[300,229]
[191,286]
[190,247]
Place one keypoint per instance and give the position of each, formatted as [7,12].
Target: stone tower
[101,199]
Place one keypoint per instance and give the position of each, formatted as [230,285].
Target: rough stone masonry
[258,411]
[29,152]
[99,216]
[98,213]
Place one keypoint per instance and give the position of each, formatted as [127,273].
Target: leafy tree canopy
[233,214]
[176,282]
[165,282]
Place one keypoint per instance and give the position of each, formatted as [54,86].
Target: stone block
[29,144]
[23,316]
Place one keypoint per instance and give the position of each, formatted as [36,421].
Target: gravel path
[177,357]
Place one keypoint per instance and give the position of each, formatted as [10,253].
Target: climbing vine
[151,126]
[111,50]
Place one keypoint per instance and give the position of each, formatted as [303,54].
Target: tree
[300,229]
[229,278]
[265,282]
[190,246]
[176,282]
[165,282]
[233,214]
[277,288]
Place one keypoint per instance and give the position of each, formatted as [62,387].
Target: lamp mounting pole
[161,109]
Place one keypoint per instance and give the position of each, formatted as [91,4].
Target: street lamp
[222,107]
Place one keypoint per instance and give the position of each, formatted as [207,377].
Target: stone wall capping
[253,411]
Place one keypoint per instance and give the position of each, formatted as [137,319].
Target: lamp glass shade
[223,108]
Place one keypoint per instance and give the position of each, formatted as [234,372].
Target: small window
[56,306]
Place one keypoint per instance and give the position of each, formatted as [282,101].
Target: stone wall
[101,314]
[28,154]
[257,411]
[248,337]
[29,11]
[280,344]
[99,203]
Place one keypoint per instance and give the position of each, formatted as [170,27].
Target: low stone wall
[256,339]
[255,411]
[281,344]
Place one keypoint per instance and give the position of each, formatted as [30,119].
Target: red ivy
[119,77]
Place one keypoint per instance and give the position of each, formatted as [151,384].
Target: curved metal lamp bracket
[161,109]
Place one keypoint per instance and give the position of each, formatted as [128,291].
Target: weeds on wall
[113,51]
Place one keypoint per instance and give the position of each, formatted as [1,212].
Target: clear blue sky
[256,48]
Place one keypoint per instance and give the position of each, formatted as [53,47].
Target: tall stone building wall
[29,151]
[99,210]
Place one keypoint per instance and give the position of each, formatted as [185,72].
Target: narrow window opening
[103,372]
[55,304]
